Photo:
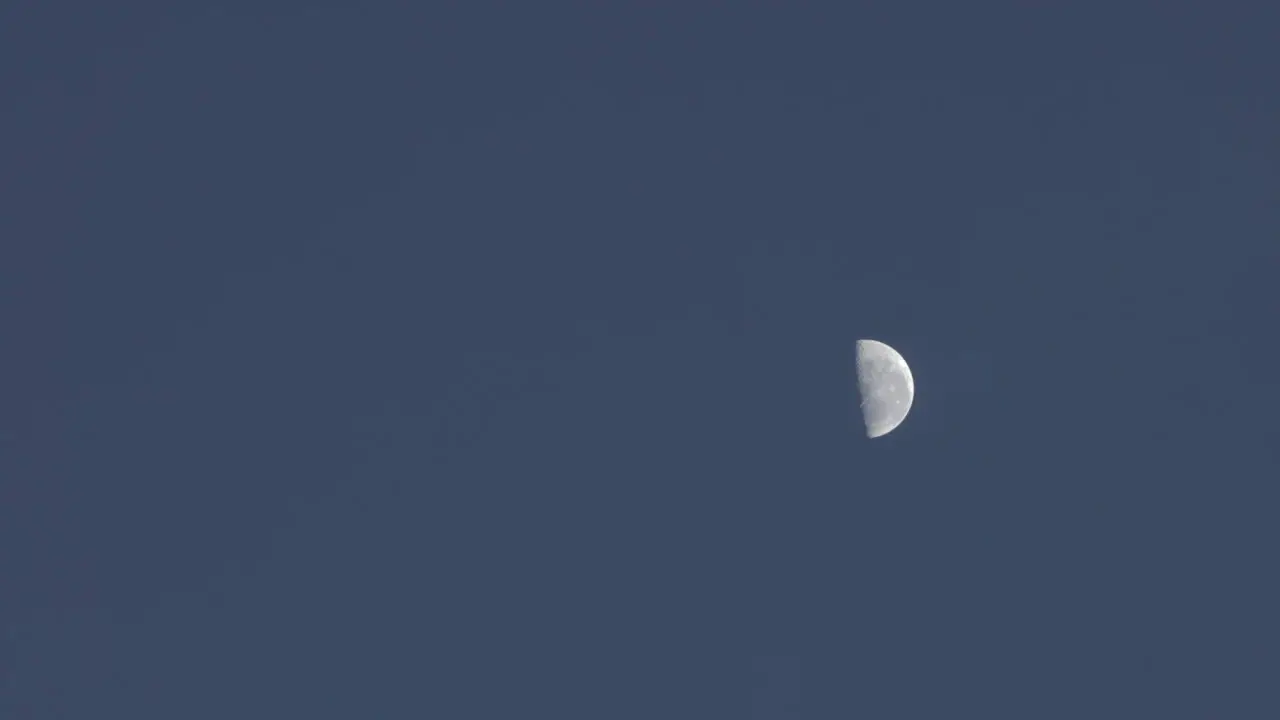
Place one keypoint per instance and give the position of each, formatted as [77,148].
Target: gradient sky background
[452,360]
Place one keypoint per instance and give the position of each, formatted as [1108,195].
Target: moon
[885,387]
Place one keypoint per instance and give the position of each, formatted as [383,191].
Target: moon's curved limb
[885,387]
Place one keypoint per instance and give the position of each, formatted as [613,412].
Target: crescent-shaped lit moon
[885,387]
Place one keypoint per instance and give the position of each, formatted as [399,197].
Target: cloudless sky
[454,360]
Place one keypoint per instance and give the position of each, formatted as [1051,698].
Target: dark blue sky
[460,360]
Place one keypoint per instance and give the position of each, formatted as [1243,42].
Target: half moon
[885,387]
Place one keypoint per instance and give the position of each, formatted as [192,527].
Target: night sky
[475,360]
